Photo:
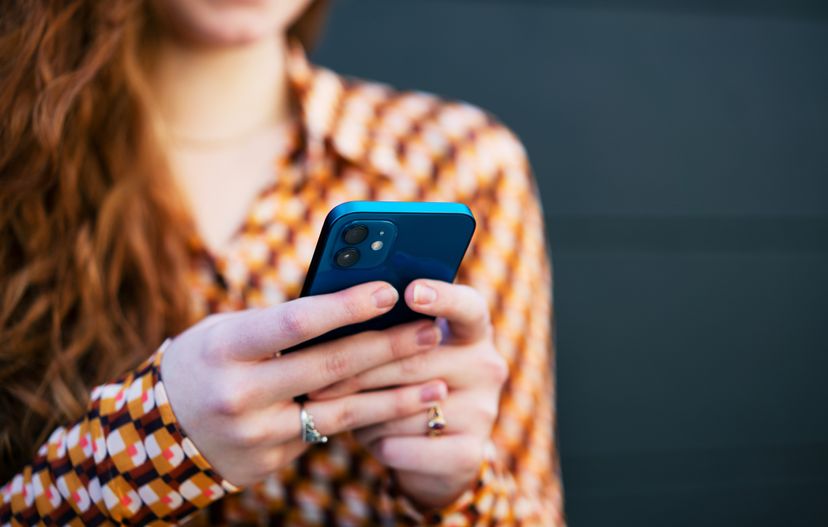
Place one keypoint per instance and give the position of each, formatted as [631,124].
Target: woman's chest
[265,260]
[219,183]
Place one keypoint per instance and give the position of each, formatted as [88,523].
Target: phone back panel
[423,240]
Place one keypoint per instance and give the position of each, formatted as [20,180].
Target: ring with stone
[436,422]
[310,434]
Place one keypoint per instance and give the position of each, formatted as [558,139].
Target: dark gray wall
[682,153]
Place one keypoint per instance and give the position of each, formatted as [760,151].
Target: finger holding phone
[435,468]
[351,334]
[233,391]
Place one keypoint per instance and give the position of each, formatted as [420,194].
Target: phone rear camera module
[347,256]
[356,234]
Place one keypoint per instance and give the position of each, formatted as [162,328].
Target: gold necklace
[183,139]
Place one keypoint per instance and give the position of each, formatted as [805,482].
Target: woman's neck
[219,94]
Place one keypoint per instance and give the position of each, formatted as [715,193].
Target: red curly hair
[93,238]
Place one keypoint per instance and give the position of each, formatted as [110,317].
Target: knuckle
[336,364]
[477,297]
[470,456]
[482,318]
[400,403]
[229,406]
[454,299]
[479,305]
[292,323]
[249,436]
[410,366]
[484,304]
[488,412]
[497,367]
[351,305]
[347,416]
[397,343]
[227,400]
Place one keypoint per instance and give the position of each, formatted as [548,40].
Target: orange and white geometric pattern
[127,461]
[123,462]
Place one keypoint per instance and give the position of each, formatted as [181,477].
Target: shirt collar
[317,93]
[342,119]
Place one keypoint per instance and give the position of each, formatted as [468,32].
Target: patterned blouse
[127,461]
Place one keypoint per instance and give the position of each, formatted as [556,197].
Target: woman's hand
[233,394]
[434,471]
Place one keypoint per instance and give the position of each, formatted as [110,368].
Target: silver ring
[309,432]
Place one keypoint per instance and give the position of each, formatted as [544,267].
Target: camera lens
[356,234]
[347,257]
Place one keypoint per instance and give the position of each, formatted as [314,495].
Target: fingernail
[436,391]
[428,336]
[424,294]
[385,297]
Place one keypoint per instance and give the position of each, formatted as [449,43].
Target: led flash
[376,246]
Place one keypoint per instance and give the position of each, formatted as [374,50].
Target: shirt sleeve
[519,482]
[125,461]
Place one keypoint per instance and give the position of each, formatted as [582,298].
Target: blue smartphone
[396,242]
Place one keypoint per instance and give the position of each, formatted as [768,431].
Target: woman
[140,200]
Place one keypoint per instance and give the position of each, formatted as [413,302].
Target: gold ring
[436,422]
